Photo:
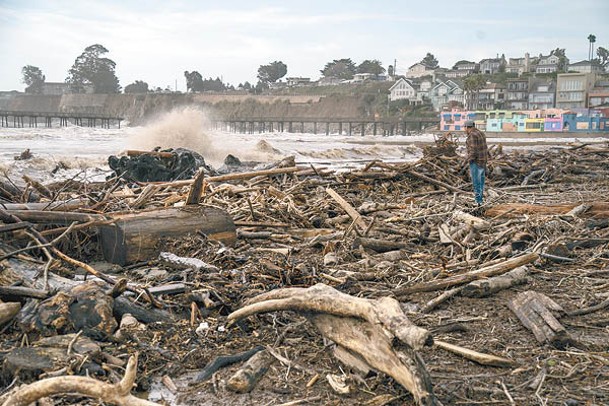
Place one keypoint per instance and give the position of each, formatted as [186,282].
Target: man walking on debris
[477,157]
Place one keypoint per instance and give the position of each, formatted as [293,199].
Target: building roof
[420,63]
[498,60]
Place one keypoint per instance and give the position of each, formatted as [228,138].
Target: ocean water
[82,152]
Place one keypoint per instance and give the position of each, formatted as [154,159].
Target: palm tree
[472,86]
[592,40]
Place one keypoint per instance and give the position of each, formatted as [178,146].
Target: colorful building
[533,121]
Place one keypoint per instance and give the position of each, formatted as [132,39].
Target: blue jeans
[477,173]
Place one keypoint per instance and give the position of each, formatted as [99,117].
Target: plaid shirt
[477,150]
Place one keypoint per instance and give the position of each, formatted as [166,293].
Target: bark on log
[534,310]
[134,236]
[196,189]
[55,217]
[17,293]
[40,188]
[486,287]
[596,210]
[246,378]
[486,272]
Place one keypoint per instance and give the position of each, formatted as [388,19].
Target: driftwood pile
[303,285]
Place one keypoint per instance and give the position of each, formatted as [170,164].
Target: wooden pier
[21,119]
[347,126]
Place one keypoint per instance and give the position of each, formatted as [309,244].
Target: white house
[547,64]
[404,89]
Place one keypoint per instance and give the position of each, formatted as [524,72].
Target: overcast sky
[156,41]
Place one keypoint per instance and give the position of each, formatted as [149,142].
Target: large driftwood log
[365,327]
[55,217]
[496,269]
[480,287]
[596,209]
[535,311]
[234,176]
[117,394]
[486,287]
[134,237]
[384,312]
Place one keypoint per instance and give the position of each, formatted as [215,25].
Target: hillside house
[467,67]
[572,89]
[404,89]
[542,94]
[445,92]
[425,84]
[586,67]
[419,70]
[456,74]
[517,94]
[519,65]
[492,66]
[491,96]
[599,94]
[548,64]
